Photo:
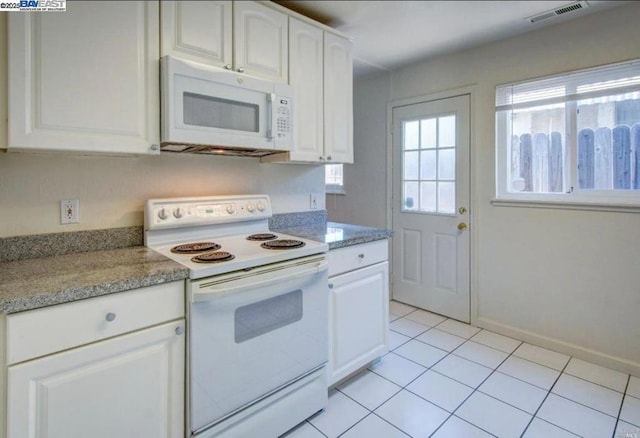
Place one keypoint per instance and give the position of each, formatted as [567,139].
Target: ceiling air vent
[559,11]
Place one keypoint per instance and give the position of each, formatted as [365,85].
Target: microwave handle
[208,295]
[271,97]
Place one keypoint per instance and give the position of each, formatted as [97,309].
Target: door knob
[462,226]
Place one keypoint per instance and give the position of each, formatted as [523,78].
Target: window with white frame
[333,178]
[573,137]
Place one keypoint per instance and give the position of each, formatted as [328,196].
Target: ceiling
[389,34]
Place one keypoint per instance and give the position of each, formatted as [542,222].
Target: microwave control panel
[282,115]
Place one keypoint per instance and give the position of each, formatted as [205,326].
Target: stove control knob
[178,213]
[231,209]
[261,206]
[251,207]
[162,214]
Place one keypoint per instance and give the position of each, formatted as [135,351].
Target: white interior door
[431,206]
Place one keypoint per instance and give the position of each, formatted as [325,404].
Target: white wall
[565,279]
[363,205]
[112,190]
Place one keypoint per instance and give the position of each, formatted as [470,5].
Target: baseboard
[597,357]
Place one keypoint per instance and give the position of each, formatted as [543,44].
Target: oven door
[253,332]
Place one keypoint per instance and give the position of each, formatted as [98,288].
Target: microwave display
[214,112]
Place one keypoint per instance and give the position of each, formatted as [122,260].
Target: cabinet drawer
[357,256]
[44,331]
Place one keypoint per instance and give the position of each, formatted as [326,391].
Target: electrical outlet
[313,201]
[69,211]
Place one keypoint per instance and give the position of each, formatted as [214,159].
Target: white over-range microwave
[214,111]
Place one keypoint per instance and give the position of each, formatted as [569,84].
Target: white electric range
[257,314]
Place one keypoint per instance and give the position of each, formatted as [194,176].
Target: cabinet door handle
[360,256]
[227,67]
[179,330]
[330,285]
[240,69]
[110,316]
[329,158]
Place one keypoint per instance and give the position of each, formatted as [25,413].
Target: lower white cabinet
[358,308]
[127,386]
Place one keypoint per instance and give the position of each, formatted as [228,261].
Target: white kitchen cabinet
[198,31]
[305,75]
[338,100]
[358,307]
[85,80]
[244,36]
[128,385]
[321,72]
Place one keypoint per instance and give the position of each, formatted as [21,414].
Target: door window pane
[428,133]
[428,199]
[446,131]
[410,196]
[429,165]
[411,135]
[447,164]
[411,165]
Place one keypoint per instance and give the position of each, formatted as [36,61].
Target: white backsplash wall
[112,190]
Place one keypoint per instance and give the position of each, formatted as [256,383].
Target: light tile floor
[443,378]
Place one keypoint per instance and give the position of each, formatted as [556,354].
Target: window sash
[606,84]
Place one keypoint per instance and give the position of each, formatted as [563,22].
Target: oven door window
[215,112]
[265,316]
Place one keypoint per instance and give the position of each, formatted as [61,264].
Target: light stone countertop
[39,282]
[113,265]
[337,235]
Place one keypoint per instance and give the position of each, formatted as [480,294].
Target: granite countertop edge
[33,283]
[36,283]
[337,235]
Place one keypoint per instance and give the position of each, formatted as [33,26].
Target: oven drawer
[39,332]
[357,256]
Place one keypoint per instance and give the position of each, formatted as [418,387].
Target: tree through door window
[429,165]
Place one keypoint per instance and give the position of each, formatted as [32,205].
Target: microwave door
[208,112]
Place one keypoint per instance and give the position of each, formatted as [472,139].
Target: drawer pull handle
[360,256]
[110,316]
[179,330]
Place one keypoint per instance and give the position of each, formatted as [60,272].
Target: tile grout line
[545,399]
[624,397]
[475,389]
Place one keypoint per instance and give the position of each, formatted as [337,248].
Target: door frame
[470,90]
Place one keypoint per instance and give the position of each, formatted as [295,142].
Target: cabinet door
[85,80]
[305,75]
[260,41]
[338,99]
[197,30]
[358,319]
[130,386]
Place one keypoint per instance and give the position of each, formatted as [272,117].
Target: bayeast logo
[43,5]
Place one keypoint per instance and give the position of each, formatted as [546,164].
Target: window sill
[567,205]
[335,191]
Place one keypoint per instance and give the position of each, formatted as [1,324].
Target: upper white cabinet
[305,74]
[85,80]
[198,31]
[260,41]
[321,72]
[338,100]
[243,36]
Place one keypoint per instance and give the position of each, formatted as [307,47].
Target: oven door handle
[212,292]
